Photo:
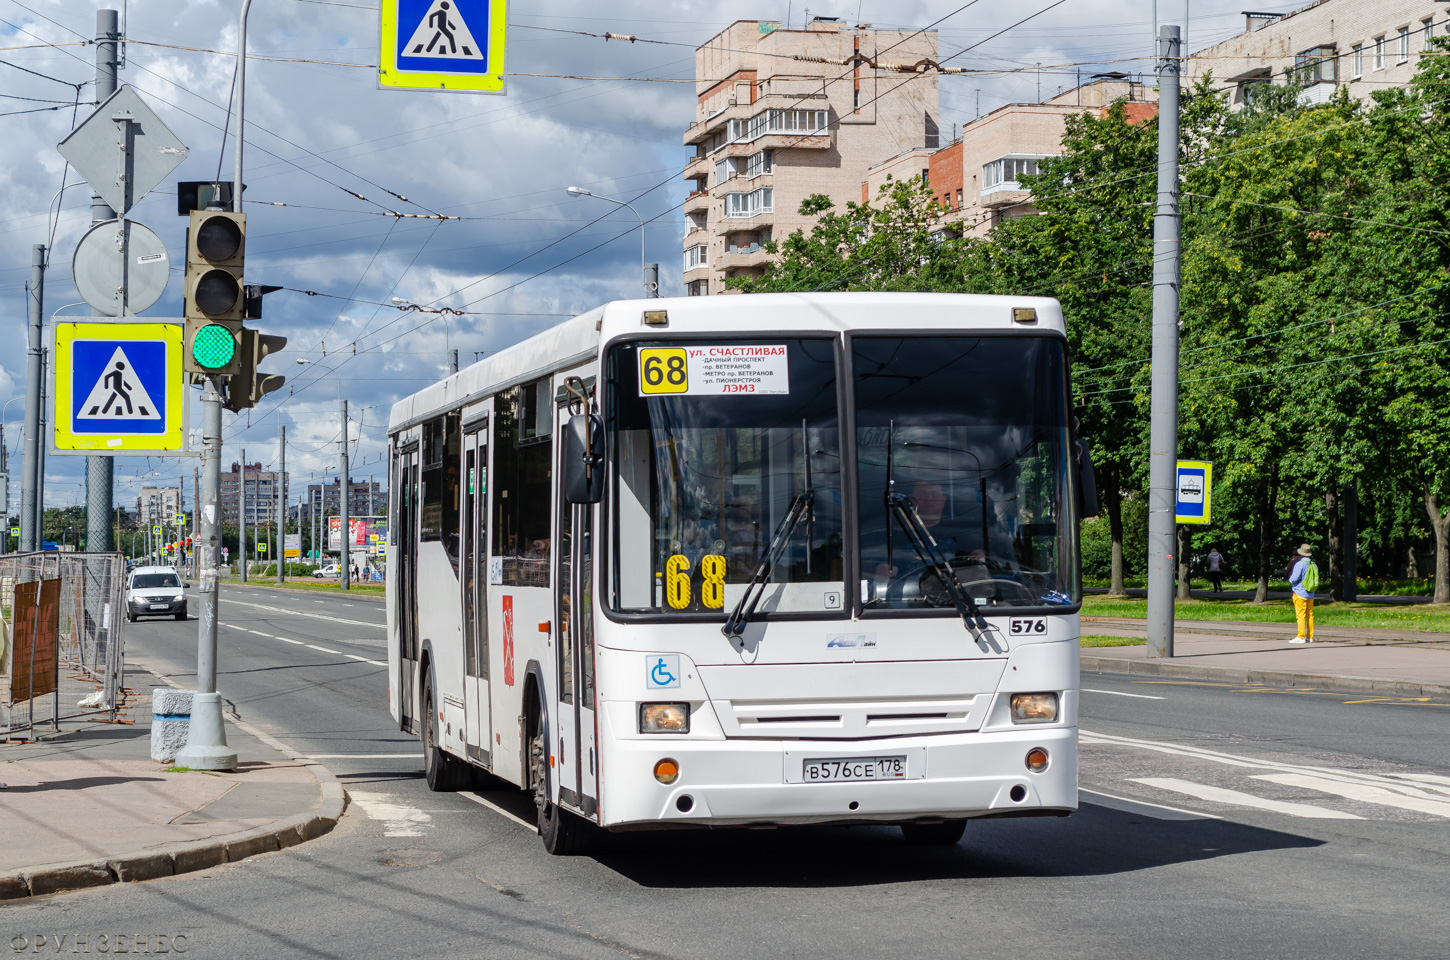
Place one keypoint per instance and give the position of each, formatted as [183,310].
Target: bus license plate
[843,769]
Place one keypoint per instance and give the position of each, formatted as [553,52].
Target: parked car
[156,592]
[332,570]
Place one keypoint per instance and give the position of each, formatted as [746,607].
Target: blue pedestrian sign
[443,45]
[118,388]
[1193,495]
[662,671]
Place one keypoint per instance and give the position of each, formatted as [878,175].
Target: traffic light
[249,386]
[214,298]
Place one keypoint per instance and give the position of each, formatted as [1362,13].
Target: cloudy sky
[524,256]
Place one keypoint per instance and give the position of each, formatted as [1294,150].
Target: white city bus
[777,559]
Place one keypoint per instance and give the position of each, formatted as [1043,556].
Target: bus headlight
[1034,707]
[664,718]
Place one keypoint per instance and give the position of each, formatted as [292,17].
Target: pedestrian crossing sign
[443,45]
[118,388]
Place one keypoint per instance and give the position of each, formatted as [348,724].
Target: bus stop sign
[1193,497]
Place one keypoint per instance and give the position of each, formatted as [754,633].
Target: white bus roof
[577,340]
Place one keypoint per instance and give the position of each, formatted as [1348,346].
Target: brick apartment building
[158,505]
[777,120]
[365,498]
[1365,45]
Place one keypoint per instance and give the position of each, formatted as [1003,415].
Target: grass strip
[1425,617]
[1098,640]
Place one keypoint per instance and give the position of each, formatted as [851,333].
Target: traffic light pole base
[206,742]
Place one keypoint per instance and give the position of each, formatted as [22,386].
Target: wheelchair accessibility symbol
[663,671]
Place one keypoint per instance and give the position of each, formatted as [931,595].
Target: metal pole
[30,469]
[343,540]
[280,551]
[1163,433]
[40,451]
[241,108]
[206,741]
[452,361]
[195,521]
[242,519]
[100,471]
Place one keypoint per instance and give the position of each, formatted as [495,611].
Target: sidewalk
[1388,662]
[88,806]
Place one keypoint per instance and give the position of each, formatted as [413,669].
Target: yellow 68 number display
[663,370]
[677,581]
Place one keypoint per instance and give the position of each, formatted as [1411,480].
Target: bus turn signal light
[667,771]
[1034,707]
[1037,759]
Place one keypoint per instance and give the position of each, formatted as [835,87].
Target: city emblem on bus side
[662,671]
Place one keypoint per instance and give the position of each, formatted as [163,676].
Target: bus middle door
[474,549]
[574,733]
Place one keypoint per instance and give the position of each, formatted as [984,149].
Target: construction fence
[59,611]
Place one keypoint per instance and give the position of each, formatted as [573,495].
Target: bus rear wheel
[443,773]
[943,834]
[563,833]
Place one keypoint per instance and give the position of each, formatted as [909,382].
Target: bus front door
[574,651]
[479,728]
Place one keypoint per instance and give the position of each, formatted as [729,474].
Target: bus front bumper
[749,782]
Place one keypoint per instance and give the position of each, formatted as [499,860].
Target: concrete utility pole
[1351,541]
[206,741]
[100,471]
[1163,432]
[242,519]
[345,563]
[280,550]
[195,523]
[30,469]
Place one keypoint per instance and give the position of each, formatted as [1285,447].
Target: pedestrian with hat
[1303,579]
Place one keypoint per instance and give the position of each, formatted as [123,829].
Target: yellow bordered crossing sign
[118,388]
[443,45]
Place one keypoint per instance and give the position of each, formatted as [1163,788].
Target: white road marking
[1404,797]
[303,613]
[1237,798]
[399,820]
[376,663]
[500,810]
[1119,693]
[362,756]
[1146,809]
[313,646]
[296,642]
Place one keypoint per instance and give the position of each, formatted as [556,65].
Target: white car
[332,570]
[155,592]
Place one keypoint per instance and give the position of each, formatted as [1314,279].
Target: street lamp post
[643,268]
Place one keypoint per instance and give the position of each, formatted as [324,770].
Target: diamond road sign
[98,150]
[118,388]
[443,45]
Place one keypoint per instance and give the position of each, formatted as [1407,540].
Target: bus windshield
[974,433]
[713,441]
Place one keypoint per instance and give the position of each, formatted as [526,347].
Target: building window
[725,169]
[1379,53]
[759,163]
[1358,62]
[697,256]
[697,288]
[926,177]
[740,205]
[959,198]
[1003,174]
[786,121]
[1316,65]
[1428,31]
[1404,45]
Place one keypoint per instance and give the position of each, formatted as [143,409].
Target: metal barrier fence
[60,611]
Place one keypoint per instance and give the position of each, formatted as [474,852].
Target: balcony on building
[1316,72]
[698,201]
[1000,184]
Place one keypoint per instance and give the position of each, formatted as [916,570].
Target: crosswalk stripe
[399,819]
[1406,797]
[1239,799]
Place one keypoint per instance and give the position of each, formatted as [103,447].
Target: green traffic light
[214,346]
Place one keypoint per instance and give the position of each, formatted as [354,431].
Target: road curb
[1285,678]
[178,858]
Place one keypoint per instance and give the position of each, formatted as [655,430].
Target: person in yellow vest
[1303,579]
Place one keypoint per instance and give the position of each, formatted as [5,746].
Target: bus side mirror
[584,459]
[1087,482]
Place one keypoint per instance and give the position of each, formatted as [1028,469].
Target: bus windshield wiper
[802,507]
[903,510]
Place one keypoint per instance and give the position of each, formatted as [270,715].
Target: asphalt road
[1217,821]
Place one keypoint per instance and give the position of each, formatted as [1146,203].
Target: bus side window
[522,482]
[442,450]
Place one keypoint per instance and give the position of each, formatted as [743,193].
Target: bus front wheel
[563,833]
